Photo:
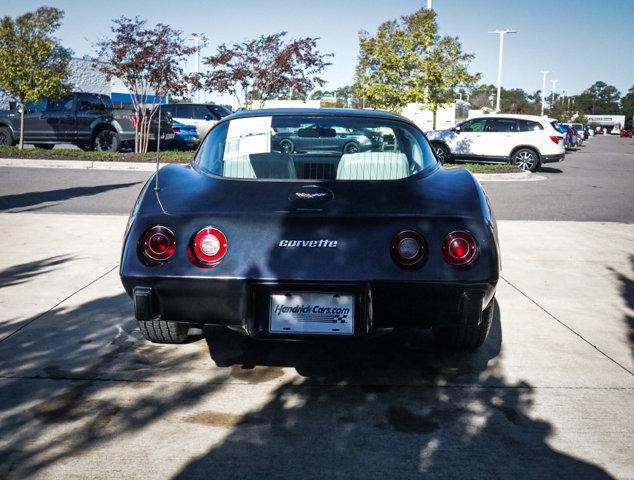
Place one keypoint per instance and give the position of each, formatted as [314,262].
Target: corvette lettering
[323,243]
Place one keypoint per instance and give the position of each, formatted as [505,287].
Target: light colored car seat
[261,165]
[238,167]
[373,166]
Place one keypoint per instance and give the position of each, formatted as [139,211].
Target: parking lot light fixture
[196,39]
[554,82]
[543,95]
[501,33]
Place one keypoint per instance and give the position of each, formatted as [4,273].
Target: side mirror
[208,117]
[456,129]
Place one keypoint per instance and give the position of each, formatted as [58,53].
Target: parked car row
[89,121]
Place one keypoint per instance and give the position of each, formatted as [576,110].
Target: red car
[626,133]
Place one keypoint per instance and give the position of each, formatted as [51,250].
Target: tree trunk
[21,144]
[433,121]
[136,130]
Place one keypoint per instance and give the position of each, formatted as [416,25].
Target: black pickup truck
[87,120]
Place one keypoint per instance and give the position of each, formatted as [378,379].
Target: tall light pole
[196,39]
[501,33]
[429,5]
[554,82]
[544,73]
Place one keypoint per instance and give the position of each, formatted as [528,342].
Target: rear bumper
[560,157]
[246,303]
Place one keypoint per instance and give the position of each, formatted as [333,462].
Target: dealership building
[84,77]
[607,121]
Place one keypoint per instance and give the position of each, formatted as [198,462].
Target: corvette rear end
[312,244]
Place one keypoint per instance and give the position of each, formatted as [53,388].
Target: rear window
[219,110]
[529,126]
[294,147]
[501,125]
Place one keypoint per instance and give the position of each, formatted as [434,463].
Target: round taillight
[408,248]
[209,246]
[159,243]
[459,248]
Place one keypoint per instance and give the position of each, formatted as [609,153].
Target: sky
[580,41]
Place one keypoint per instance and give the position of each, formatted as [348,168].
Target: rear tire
[287,146]
[164,331]
[466,337]
[6,138]
[107,141]
[526,159]
[351,148]
[44,146]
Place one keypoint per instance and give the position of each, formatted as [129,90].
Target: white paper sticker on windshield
[247,136]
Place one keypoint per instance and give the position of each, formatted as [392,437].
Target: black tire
[351,147]
[287,146]
[466,337]
[442,153]
[164,331]
[107,141]
[526,159]
[6,138]
[44,146]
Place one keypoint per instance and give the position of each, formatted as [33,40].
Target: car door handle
[68,117]
[43,116]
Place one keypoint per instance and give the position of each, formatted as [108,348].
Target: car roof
[347,112]
[519,116]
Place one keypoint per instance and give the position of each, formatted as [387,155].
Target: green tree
[600,99]
[627,107]
[34,65]
[407,61]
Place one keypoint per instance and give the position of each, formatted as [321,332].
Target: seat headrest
[373,166]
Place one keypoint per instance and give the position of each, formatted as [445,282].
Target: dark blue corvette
[318,241]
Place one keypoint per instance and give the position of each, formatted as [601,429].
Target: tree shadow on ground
[59,396]
[17,274]
[627,292]
[30,199]
[392,407]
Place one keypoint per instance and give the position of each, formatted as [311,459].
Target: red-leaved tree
[148,62]
[260,69]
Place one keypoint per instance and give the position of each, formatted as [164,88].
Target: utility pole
[429,5]
[554,82]
[501,33]
[196,39]
[544,73]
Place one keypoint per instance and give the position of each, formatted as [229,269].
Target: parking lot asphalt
[594,183]
[82,395]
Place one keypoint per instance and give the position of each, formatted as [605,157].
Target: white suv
[524,140]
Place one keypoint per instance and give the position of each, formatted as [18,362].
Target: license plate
[312,313]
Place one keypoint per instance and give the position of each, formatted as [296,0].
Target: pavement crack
[336,386]
[566,326]
[43,314]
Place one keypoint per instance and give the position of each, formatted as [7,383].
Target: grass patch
[169,156]
[176,156]
[485,167]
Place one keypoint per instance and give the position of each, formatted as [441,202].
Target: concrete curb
[509,177]
[151,166]
[78,164]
